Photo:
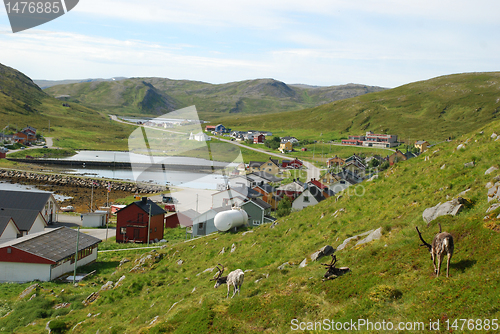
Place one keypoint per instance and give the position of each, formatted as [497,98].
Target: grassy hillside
[432,110]
[156,96]
[24,103]
[391,279]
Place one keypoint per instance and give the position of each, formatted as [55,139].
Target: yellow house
[422,145]
[329,178]
[286,147]
[271,166]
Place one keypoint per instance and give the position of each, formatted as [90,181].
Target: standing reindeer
[235,279]
[332,272]
[441,244]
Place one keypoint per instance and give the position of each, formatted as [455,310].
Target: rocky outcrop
[65,180]
[325,251]
[452,207]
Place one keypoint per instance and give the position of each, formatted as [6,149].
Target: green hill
[24,103]
[434,110]
[392,278]
[155,96]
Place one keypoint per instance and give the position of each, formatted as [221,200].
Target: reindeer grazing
[333,272]
[235,279]
[441,245]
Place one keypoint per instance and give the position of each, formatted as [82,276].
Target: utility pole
[92,198]
[76,254]
[149,221]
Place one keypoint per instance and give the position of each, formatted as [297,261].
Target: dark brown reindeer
[332,272]
[235,279]
[442,245]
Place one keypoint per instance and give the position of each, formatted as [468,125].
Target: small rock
[244,233]
[494,135]
[283,266]
[325,251]
[107,286]
[303,263]
[180,262]
[464,192]
[233,248]
[493,207]
[460,146]
[443,166]
[119,282]
[489,185]
[124,260]
[222,251]
[490,170]
[194,289]
[469,164]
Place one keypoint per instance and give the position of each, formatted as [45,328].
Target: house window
[155,229]
[9,250]
[123,230]
[306,199]
[269,164]
[342,182]
[256,222]
[200,226]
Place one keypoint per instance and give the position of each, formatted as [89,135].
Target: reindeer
[441,244]
[235,279]
[333,272]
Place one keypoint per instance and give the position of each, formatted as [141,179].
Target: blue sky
[321,42]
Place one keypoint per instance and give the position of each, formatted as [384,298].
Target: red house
[295,163]
[132,222]
[209,128]
[259,139]
[182,219]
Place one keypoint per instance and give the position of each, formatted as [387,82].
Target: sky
[384,43]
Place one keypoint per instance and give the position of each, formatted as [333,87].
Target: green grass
[391,279]
[46,153]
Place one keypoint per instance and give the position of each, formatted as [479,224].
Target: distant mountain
[49,83]
[159,95]
[23,103]
[434,109]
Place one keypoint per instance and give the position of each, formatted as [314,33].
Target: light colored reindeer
[442,245]
[235,279]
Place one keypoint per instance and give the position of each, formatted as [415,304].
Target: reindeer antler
[334,260]
[219,274]
[424,243]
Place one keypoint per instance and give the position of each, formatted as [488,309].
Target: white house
[200,136]
[43,202]
[310,196]
[8,229]
[45,255]
[94,219]
[27,221]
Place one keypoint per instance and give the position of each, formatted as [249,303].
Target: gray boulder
[452,207]
[325,251]
[375,235]
[469,164]
[490,170]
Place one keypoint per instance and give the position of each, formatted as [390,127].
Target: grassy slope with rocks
[392,278]
[23,103]
[433,110]
[156,96]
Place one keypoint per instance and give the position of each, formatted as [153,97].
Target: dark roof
[144,205]
[55,244]
[259,202]
[267,188]
[316,192]
[15,199]
[256,163]
[267,176]
[24,219]
[420,142]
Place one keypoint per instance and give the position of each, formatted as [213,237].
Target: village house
[269,195]
[422,145]
[45,255]
[26,135]
[292,140]
[132,222]
[199,137]
[291,164]
[264,177]
[233,196]
[286,147]
[203,224]
[181,218]
[356,167]
[40,202]
[8,229]
[258,212]
[335,162]
[259,139]
[270,166]
[312,195]
[397,157]
[371,139]
[292,190]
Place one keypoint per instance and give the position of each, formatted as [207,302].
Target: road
[48,143]
[72,221]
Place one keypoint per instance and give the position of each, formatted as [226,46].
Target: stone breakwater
[74,181]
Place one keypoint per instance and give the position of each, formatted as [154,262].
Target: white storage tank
[226,220]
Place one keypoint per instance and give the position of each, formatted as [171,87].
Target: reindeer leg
[448,265]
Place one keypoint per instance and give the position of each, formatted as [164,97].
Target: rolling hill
[156,96]
[391,279]
[23,103]
[433,110]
